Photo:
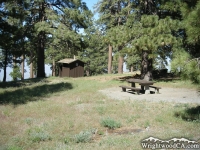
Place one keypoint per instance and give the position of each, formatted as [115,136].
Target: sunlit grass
[61,110]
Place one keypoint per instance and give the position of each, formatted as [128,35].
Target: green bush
[110,123]
[15,74]
[84,136]
[186,66]
[37,135]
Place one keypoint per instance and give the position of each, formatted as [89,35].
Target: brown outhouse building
[71,68]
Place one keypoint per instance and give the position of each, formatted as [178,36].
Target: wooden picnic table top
[140,81]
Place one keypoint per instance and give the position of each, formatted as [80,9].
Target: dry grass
[51,120]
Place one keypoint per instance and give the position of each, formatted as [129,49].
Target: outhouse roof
[68,60]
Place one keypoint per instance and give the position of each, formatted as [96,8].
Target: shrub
[84,136]
[110,123]
[29,121]
[15,74]
[37,135]
[186,65]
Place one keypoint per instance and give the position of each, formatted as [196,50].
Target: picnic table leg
[124,89]
[142,91]
[147,88]
[132,84]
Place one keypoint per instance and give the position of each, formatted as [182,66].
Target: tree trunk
[22,67]
[87,73]
[14,65]
[31,70]
[54,68]
[5,65]
[121,58]
[146,67]
[110,59]
[41,45]
[40,55]
[131,68]
[120,64]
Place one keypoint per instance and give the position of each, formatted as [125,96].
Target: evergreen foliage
[187,59]
[16,74]
[133,61]
[38,27]
[191,22]
[95,55]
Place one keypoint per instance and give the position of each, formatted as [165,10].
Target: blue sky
[90,4]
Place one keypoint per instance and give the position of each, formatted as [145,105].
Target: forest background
[48,70]
[144,34]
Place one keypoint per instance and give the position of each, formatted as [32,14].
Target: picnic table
[145,85]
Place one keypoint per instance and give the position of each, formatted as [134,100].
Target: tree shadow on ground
[27,94]
[189,114]
[25,82]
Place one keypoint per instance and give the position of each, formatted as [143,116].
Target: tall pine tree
[57,19]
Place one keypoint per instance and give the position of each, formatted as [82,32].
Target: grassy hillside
[67,113]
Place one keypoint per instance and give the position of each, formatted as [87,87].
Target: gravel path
[166,94]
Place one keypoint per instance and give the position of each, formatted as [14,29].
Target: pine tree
[187,59]
[13,13]
[191,22]
[113,14]
[95,54]
[150,32]
[132,61]
[105,11]
[6,41]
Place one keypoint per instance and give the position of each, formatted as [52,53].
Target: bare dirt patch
[120,131]
[125,131]
[176,95]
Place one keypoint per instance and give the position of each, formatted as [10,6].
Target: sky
[90,4]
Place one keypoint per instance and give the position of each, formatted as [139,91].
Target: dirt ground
[175,95]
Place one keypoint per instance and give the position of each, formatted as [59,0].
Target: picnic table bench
[156,88]
[132,88]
